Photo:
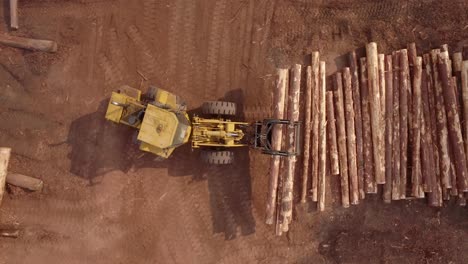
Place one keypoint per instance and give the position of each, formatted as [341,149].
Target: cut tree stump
[331,132]
[416,180]
[315,123]
[322,139]
[307,133]
[396,182]
[404,91]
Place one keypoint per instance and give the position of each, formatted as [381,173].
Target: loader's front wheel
[219,108]
[217,157]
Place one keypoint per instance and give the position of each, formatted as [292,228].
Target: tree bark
[322,139]
[341,133]
[14,14]
[277,136]
[315,123]
[404,91]
[293,116]
[387,188]
[307,134]
[369,177]
[444,154]
[396,182]
[453,123]
[464,81]
[353,66]
[375,112]
[416,181]
[28,43]
[427,150]
[4,159]
[331,132]
[351,135]
[24,181]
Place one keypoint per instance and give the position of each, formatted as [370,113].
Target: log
[307,134]
[322,139]
[381,62]
[28,43]
[25,182]
[387,188]
[353,66]
[293,115]
[416,180]
[315,123]
[14,14]
[404,91]
[453,123]
[464,84]
[457,68]
[412,54]
[369,178]
[396,128]
[430,186]
[10,232]
[277,135]
[341,134]
[350,136]
[4,159]
[444,154]
[375,113]
[427,145]
[331,132]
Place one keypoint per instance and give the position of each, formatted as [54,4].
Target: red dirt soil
[106,202]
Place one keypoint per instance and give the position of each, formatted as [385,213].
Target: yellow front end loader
[163,124]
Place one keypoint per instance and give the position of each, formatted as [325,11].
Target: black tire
[219,108]
[217,157]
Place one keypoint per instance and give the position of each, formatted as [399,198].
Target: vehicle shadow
[99,146]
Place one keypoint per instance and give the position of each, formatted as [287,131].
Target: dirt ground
[106,202]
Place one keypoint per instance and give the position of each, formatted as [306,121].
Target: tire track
[224,77]
[188,47]
[112,75]
[174,37]
[217,25]
[146,61]
[116,53]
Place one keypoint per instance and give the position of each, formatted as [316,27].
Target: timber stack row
[393,125]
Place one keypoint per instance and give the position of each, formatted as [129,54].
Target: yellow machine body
[162,123]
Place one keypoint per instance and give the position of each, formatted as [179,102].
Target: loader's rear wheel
[219,108]
[218,157]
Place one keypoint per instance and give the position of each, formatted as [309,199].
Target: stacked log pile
[393,125]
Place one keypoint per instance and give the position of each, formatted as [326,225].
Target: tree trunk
[416,182]
[353,66]
[293,115]
[396,182]
[14,14]
[341,133]
[322,138]
[351,135]
[376,116]
[331,132]
[24,181]
[369,180]
[277,136]
[387,188]
[464,81]
[444,154]
[307,134]
[453,123]
[4,159]
[28,43]
[427,150]
[315,123]
[404,90]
